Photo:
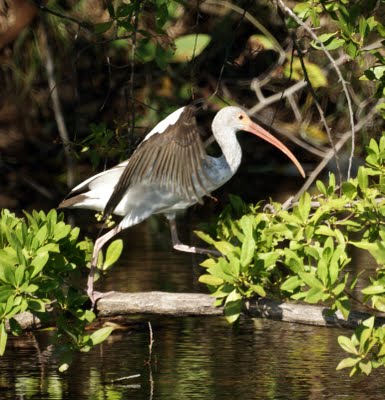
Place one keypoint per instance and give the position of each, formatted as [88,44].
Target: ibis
[169,171]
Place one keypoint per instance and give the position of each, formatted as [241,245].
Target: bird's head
[235,118]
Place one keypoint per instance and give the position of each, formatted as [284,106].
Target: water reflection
[193,358]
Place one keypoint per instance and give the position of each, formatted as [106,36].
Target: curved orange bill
[257,130]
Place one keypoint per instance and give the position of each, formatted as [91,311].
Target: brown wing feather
[174,159]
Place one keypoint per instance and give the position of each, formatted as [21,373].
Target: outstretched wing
[173,159]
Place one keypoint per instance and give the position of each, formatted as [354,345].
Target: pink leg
[177,245]
[99,243]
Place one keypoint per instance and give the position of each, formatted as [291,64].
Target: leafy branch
[41,262]
[303,253]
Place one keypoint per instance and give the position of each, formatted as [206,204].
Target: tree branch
[343,139]
[290,13]
[56,104]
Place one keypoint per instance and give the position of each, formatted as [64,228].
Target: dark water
[192,358]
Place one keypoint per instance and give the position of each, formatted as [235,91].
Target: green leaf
[366,367]
[61,231]
[19,275]
[247,223]
[101,334]
[259,290]
[369,323]
[291,284]
[321,187]
[205,237]
[373,289]
[224,247]
[315,74]
[8,258]
[322,271]
[3,338]
[189,46]
[40,237]
[103,27]
[222,270]
[39,262]
[349,190]
[304,206]
[348,363]
[334,267]
[311,280]
[344,307]
[6,292]
[113,253]
[36,305]
[208,263]
[247,251]
[314,295]
[325,231]
[339,289]
[7,274]
[347,345]
[233,306]
[329,40]
[363,179]
[211,280]
[15,327]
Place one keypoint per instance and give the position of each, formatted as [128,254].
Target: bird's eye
[240,117]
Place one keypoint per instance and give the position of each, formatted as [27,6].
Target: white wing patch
[105,173]
[163,125]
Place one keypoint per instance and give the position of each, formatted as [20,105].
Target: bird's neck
[230,147]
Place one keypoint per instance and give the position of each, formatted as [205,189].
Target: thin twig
[289,12]
[56,104]
[275,97]
[319,108]
[243,13]
[82,24]
[254,21]
[107,96]
[343,139]
[132,74]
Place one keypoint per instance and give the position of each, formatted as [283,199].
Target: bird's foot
[196,250]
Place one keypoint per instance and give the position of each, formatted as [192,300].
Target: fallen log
[177,304]
[199,304]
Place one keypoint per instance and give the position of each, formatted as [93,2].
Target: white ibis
[169,171]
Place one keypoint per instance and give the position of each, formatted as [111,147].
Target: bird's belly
[141,201]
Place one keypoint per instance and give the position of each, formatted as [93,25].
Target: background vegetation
[85,80]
